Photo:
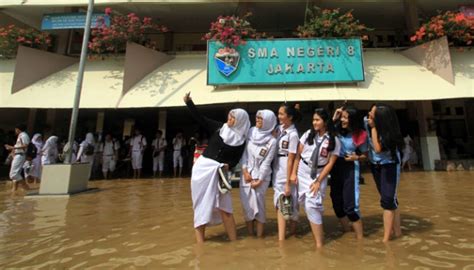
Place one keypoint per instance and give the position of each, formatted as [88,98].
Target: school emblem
[227,60]
[263,152]
[324,152]
[284,144]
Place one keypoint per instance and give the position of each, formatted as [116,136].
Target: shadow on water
[373,224]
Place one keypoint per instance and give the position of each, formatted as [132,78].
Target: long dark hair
[388,129]
[355,122]
[293,111]
[324,114]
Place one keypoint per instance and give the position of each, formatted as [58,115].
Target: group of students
[138,144]
[28,157]
[299,168]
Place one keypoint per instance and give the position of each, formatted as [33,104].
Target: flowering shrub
[232,31]
[13,36]
[331,23]
[123,28]
[455,26]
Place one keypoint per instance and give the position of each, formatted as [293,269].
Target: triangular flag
[434,56]
[139,62]
[33,65]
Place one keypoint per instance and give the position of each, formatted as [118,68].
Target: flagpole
[80,77]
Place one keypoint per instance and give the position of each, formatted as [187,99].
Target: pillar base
[64,179]
[429,152]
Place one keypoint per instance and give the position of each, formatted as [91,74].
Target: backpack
[89,151]
[31,151]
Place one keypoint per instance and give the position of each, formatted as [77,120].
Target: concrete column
[469,114]
[245,7]
[169,41]
[62,41]
[50,123]
[99,127]
[428,139]
[411,15]
[127,127]
[31,121]
[162,116]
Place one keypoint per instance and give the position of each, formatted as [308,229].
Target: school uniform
[345,176]
[178,144]
[408,149]
[35,169]
[138,144]
[50,151]
[226,146]
[385,168]
[109,155]
[313,203]
[287,143]
[19,157]
[257,160]
[159,155]
[82,155]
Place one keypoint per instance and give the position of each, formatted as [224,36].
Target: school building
[432,89]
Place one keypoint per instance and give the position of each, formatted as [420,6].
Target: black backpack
[31,151]
[89,151]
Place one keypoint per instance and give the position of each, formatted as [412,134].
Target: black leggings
[345,189]
[386,178]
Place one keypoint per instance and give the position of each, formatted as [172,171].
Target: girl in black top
[225,148]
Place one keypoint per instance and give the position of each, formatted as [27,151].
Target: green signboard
[286,61]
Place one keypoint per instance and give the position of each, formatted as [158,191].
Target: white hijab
[262,135]
[51,143]
[236,135]
[90,138]
[37,141]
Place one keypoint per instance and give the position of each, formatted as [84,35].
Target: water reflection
[148,223]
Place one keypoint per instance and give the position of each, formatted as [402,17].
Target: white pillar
[162,115]
[127,127]
[50,122]
[411,16]
[99,127]
[428,139]
[31,121]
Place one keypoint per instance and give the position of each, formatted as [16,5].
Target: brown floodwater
[149,224]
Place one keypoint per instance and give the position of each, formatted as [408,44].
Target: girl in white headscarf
[86,150]
[212,203]
[35,169]
[257,169]
[50,151]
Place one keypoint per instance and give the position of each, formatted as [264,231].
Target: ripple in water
[431,262]
[443,254]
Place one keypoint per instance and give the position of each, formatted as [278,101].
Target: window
[459,110]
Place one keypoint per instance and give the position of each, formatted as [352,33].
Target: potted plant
[13,36]
[331,23]
[231,32]
[458,29]
[123,28]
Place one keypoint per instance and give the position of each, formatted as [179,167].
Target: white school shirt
[177,144]
[22,139]
[138,143]
[324,155]
[257,159]
[159,144]
[287,140]
[109,148]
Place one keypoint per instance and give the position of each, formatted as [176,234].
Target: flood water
[149,224]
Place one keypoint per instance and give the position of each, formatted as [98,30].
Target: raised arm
[210,125]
